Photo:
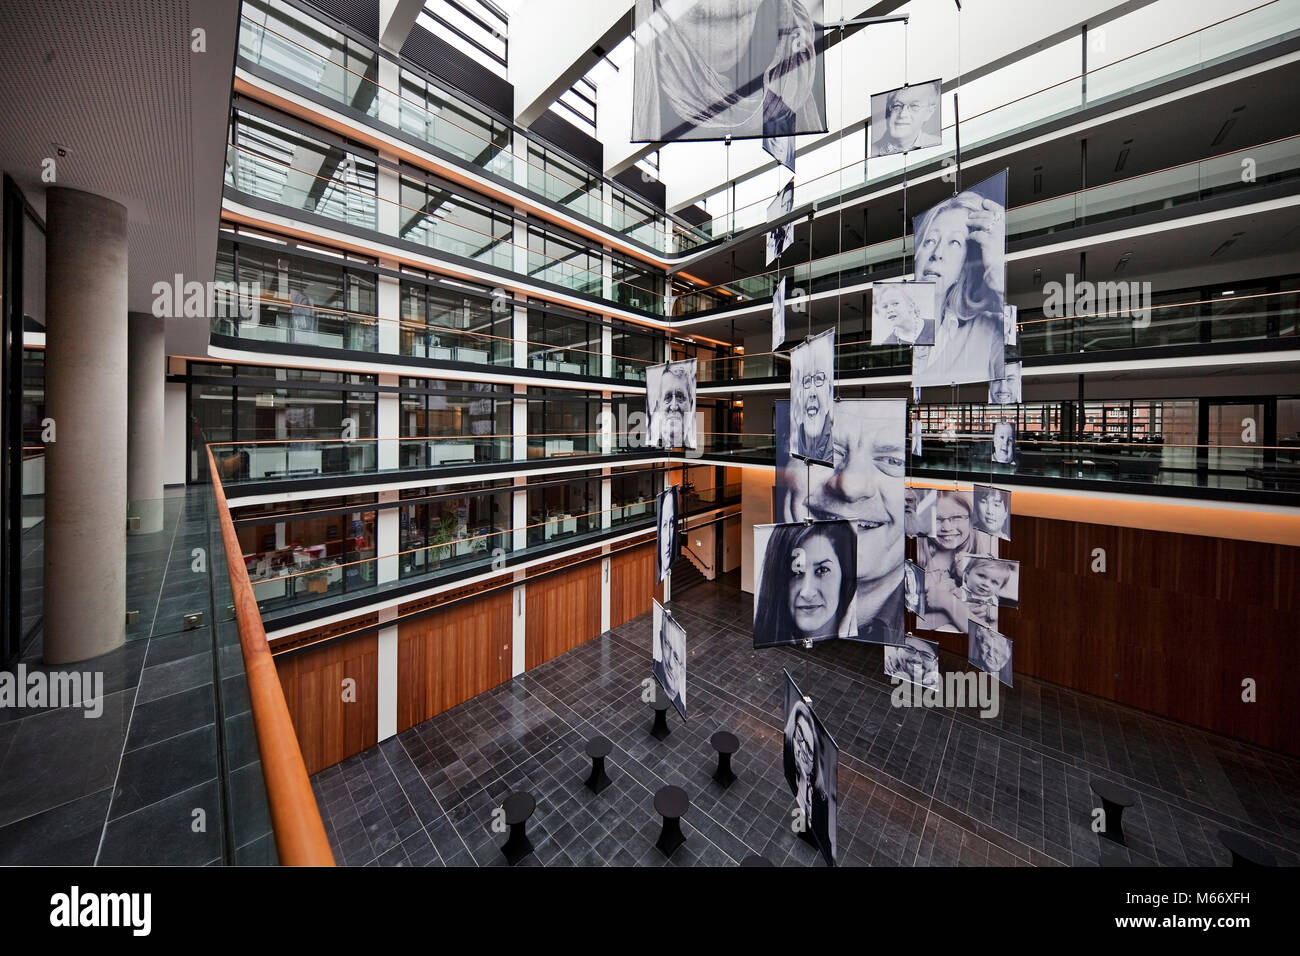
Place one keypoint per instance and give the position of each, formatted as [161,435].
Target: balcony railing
[303,190]
[292,46]
[1262,25]
[272,319]
[274,790]
[1263,316]
[1275,161]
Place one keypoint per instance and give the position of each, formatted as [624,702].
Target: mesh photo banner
[709,69]
[863,485]
[961,246]
[670,404]
[812,767]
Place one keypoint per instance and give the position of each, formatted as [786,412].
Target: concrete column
[86,395]
[386,698]
[146,373]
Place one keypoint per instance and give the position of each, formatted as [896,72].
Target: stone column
[146,373]
[86,395]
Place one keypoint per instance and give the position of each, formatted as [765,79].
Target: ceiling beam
[554,44]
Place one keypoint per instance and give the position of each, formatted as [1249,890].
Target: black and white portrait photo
[915,661]
[993,511]
[937,553]
[986,579]
[670,656]
[1007,390]
[667,542]
[902,312]
[778,315]
[670,403]
[807,584]
[918,511]
[811,761]
[780,238]
[812,412]
[780,148]
[914,588]
[989,651]
[961,246]
[864,486]
[1010,331]
[1004,443]
[708,69]
[905,119]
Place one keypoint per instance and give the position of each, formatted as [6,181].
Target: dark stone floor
[123,788]
[917,786]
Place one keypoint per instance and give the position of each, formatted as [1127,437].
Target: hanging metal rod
[865,20]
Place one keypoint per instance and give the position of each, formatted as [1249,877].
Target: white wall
[175,435]
[756,508]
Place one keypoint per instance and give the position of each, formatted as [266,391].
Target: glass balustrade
[1263,25]
[1275,162]
[293,46]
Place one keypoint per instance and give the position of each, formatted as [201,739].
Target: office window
[560,343]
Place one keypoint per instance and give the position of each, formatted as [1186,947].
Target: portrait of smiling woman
[812,371]
[807,585]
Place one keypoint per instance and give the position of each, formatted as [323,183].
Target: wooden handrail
[300,838]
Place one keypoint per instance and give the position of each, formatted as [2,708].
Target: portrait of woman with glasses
[906,119]
[811,415]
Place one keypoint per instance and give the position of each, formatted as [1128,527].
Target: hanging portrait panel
[961,246]
[988,578]
[908,118]
[780,237]
[902,312]
[806,587]
[864,486]
[812,408]
[915,661]
[669,649]
[989,651]
[670,404]
[811,760]
[992,512]
[709,69]
[778,315]
[667,538]
[1007,390]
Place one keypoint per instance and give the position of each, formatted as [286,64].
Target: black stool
[519,806]
[660,729]
[755,860]
[725,744]
[598,748]
[1114,799]
[1245,851]
[671,803]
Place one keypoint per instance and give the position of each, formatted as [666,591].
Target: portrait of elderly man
[670,657]
[709,69]
[670,400]
[812,371]
[906,119]
[864,486]
[989,651]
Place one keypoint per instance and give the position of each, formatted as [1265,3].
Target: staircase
[685,576]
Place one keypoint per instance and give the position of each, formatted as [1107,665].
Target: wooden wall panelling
[329,728]
[447,656]
[1172,626]
[632,584]
[563,611]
